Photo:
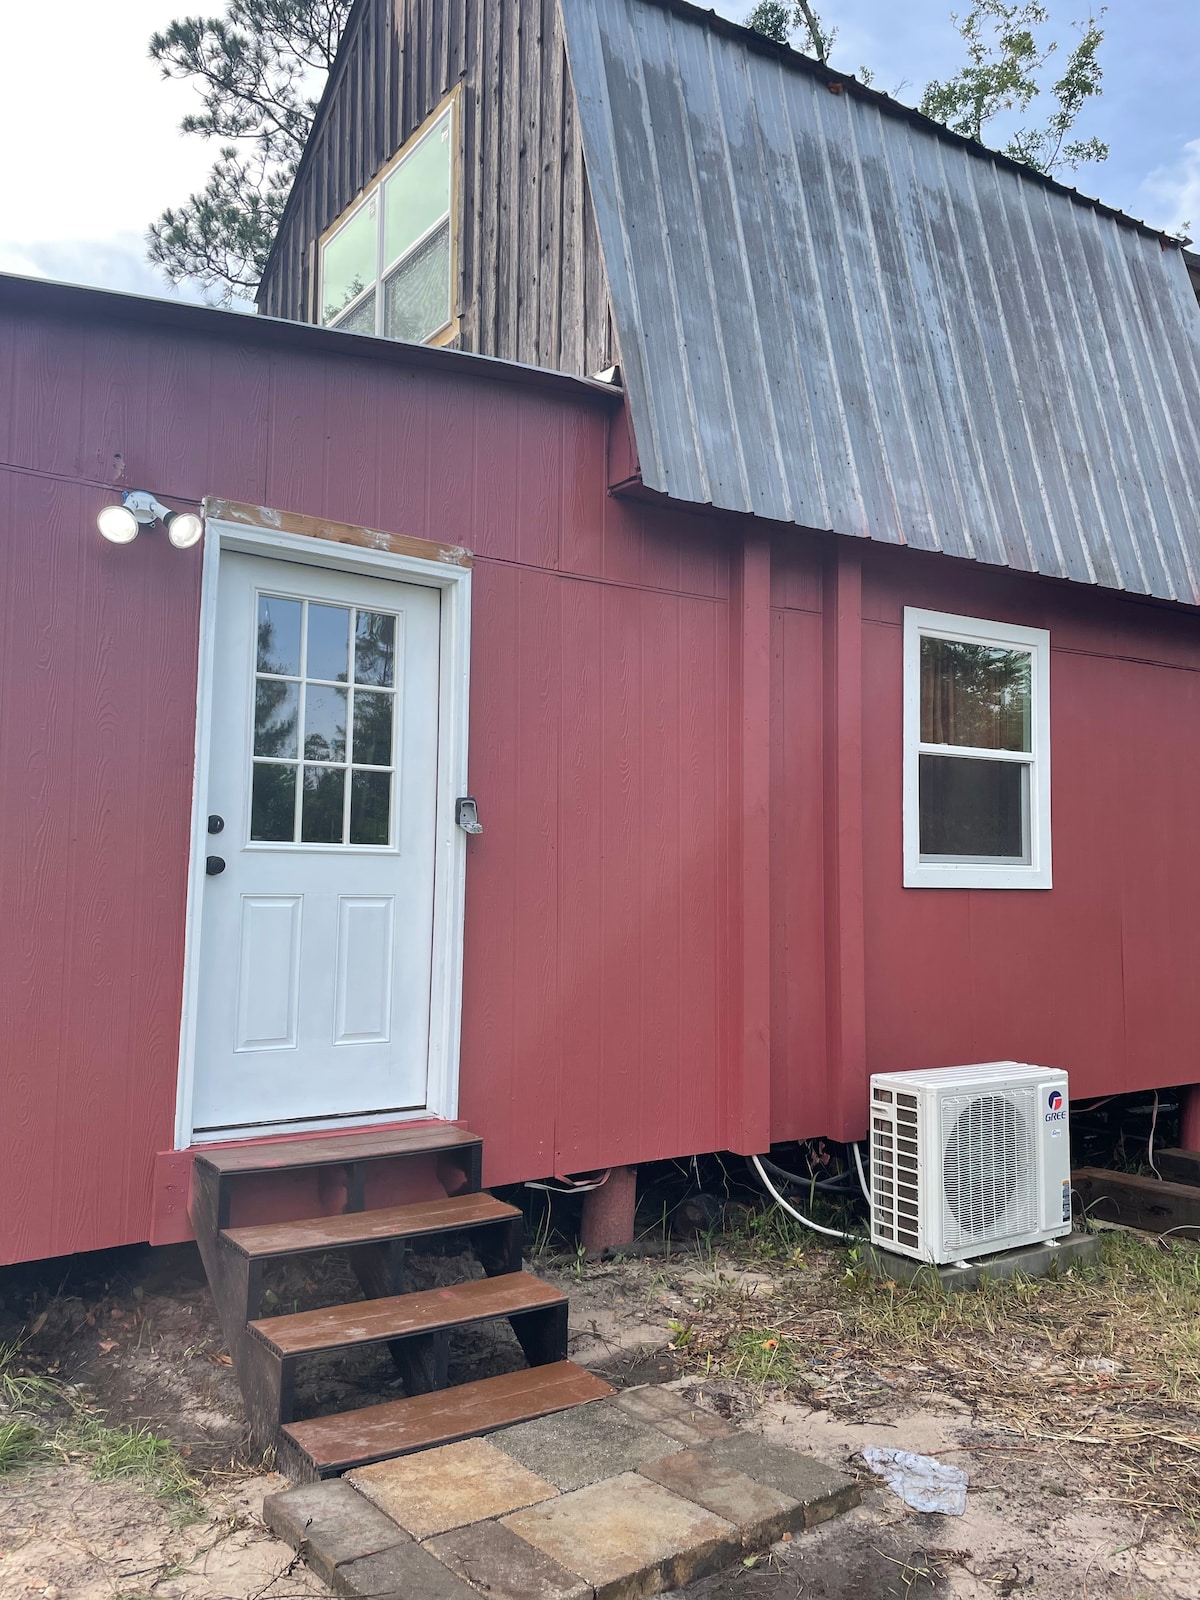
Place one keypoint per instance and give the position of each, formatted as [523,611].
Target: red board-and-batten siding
[685,923]
[597,899]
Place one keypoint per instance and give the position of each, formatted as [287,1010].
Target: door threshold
[277,1131]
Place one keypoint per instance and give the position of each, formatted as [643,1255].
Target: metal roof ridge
[798,61]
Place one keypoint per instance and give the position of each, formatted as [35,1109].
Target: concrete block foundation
[1030,1261]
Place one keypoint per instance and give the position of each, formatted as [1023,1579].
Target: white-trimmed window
[976,753]
[387,266]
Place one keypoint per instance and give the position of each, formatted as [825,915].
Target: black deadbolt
[214,865]
[215,824]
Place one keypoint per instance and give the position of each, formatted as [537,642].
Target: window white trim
[450,859]
[980,874]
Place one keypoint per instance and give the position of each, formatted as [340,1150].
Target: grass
[21,1395]
[20,1443]
[1102,1364]
[31,1403]
[21,1390]
[132,1453]
[762,1356]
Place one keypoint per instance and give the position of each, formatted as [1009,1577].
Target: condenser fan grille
[988,1166]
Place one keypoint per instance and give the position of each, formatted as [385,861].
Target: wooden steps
[415,1326]
[332,1445]
[328,1150]
[459,1155]
[451,1214]
[402,1316]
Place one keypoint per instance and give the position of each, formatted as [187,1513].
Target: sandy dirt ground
[1035,1524]
[134,1339]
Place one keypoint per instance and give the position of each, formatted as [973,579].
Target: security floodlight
[118,524]
[183,528]
[140,509]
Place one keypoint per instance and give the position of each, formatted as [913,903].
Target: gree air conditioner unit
[966,1161]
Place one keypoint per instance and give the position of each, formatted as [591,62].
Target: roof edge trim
[45,296]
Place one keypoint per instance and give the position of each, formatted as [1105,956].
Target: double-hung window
[387,266]
[976,753]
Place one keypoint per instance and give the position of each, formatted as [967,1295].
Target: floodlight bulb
[183,528]
[118,524]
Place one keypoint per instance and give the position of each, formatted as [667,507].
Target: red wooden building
[827,683]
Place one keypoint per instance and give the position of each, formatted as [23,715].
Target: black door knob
[214,865]
[215,824]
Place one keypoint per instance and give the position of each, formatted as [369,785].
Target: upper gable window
[386,268]
[976,753]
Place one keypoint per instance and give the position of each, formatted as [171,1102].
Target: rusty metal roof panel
[833,313]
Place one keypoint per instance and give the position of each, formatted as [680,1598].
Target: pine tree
[259,68]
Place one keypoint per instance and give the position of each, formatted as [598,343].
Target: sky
[93,154]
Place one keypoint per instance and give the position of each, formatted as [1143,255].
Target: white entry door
[313,994]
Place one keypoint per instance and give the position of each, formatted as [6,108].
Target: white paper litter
[920,1481]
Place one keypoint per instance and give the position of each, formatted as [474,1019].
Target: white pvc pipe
[817,1227]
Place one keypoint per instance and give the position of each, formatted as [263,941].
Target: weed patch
[114,1453]
[20,1443]
[1102,1363]
[763,1356]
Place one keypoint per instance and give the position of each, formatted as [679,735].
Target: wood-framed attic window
[976,753]
[387,266]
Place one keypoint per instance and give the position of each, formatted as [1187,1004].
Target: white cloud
[117,263]
[1173,192]
[92,151]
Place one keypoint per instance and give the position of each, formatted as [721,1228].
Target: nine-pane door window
[324,723]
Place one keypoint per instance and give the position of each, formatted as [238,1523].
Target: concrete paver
[505,1566]
[449,1487]
[574,1448]
[761,1514]
[629,1537]
[821,1491]
[405,1572]
[671,1414]
[330,1524]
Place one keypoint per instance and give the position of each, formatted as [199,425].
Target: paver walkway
[616,1500]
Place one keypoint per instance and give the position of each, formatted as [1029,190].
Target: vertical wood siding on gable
[531,277]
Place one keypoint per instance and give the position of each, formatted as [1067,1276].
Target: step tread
[397,1427]
[398,1316]
[330,1150]
[369,1227]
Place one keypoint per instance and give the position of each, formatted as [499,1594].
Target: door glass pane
[279,635]
[276,710]
[321,818]
[328,643]
[324,723]
[361,319]
[416,298]
[974,809]
[373,727]
[417,194]
[273,804]
[975,695]
[348,262]
[370,807]
[374,648]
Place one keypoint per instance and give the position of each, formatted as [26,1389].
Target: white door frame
[450,859]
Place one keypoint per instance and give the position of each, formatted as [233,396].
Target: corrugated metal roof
[831,312]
